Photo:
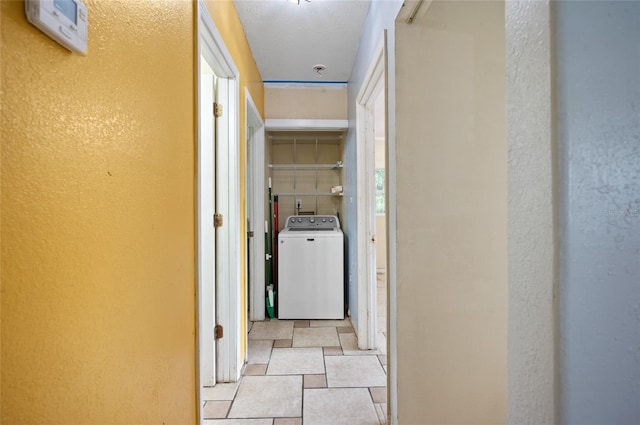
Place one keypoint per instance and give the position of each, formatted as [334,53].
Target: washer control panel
[313,222]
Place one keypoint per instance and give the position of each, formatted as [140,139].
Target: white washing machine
[311,268]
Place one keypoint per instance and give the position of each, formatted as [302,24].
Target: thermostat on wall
[65,21]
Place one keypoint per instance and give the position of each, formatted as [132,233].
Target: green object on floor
[271,296]
[267,267]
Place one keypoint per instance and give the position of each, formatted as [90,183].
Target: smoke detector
[319,69]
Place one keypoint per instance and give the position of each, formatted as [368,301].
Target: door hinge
[217,110]
[218,331]
[250,233]
[218,219]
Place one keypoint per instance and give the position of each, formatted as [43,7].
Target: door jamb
[364,105]
[211,45]
[256,162]
[205,278]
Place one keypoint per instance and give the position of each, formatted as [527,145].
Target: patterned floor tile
[339,406]
[268,397]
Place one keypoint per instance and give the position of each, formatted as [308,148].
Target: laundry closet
[306,126]
[305,173]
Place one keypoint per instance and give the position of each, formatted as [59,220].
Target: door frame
[374,81]
[226,292]
[206,236]
[255,162]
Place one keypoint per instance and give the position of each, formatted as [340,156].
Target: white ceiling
[287,39]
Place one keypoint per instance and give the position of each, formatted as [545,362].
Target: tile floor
[303,372]
[307,372]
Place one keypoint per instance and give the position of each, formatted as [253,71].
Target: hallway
[513,211]
[307,372]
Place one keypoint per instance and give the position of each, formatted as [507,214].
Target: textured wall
[598,63]
[531,214]
[452,215]
[1,85]
[97,219]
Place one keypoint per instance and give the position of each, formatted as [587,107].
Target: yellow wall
[0,224]
[230,28]
[227,22]
[98,218]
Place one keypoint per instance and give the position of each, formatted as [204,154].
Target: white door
[206,229]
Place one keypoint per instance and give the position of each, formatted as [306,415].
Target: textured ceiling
[287,39]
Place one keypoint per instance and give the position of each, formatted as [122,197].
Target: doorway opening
[379,222]
[372,147]
[377,291]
